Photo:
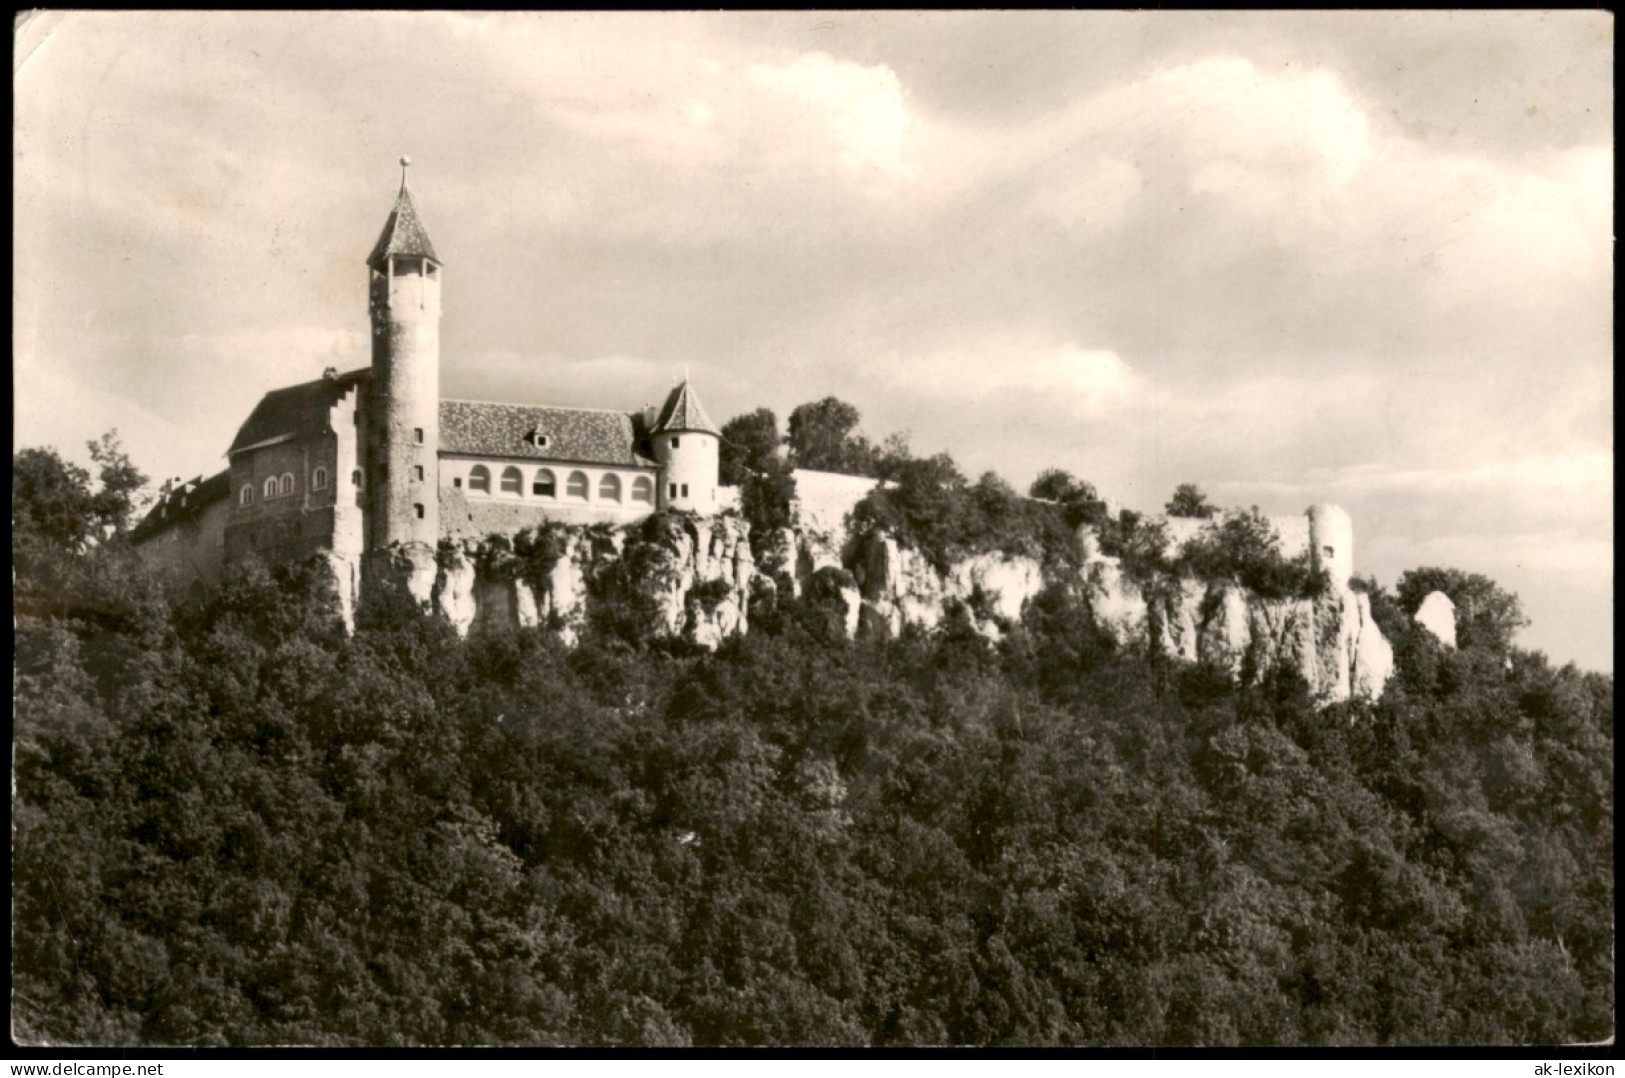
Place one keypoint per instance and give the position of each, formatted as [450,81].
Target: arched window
[577,487]
[318,479]
[479,478]
[643,490]
[513,481]
[246,495]
[544,485]
[285,486]
[609,488]
[270,487]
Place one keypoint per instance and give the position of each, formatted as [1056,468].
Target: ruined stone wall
[823,499]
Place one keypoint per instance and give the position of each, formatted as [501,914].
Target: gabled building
[373,461]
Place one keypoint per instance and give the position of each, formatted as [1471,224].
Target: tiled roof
[296,410]
[582,435]
[403,233]
[183,503]
[683,411]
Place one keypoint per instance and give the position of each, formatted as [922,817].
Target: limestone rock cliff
[900,587]
[695,574]
[694,578]
[1331,639]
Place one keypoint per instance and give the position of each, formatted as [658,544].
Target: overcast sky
[1356,257]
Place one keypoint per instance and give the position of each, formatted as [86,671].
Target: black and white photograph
[813,530]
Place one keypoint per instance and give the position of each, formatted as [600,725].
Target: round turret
[404,294]
[1331,542]
[687,448]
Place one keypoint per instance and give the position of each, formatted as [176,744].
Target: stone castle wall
[285,526]
[191,552]
[823,499]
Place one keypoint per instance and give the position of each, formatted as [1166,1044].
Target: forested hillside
[236,824]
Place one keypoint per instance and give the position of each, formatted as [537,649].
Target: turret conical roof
[683,411]
[403,233]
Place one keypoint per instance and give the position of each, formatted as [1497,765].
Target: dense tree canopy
[236,824]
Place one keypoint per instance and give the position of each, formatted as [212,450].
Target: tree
[927,507]
[51,502]
[1189,501]
[114,503]
[823,437]
[765,498]
[1079,501]
[750,443]
[54,505]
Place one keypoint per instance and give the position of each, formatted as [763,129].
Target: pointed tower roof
[683,411]
[403,233]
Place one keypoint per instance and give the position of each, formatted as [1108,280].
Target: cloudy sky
[1356,257]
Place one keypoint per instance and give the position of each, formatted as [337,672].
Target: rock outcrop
[901,587]
[1331,639]
[694,574]
[694,578]
[1437,615]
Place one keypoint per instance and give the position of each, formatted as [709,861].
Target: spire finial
[406,163]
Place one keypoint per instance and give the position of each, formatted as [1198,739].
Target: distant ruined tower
[404,422]
[1331,542]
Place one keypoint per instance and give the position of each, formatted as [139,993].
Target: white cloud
[1554,552]
[1084,381]
[822,104]
[1582,471]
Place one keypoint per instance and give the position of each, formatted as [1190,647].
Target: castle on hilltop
[375,462]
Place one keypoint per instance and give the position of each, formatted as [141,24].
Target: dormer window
[538,440]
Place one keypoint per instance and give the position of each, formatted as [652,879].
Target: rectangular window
[417,435]
[457,482]
[685,490]
[418,509]
[671,490]
[674,442]
[417,472]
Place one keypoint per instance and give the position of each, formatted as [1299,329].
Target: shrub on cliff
[930,506]
[1190,501]
[754,460]
[1080,503]
[765,500]
[1245,548]
[1140,544]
